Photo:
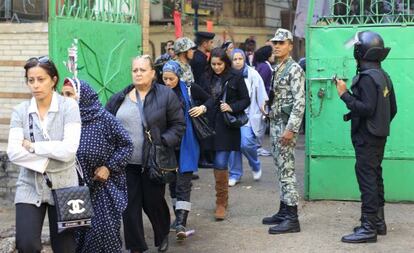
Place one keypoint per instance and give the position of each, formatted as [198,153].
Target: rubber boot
[290,224]
[222,193]
[367,232]
[181,218]
[277,217]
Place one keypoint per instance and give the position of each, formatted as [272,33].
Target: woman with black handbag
[189,151]
[104,150]
[231,97]
[152,115]
[43,140]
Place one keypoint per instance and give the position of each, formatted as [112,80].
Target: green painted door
[108,35]
[329,154]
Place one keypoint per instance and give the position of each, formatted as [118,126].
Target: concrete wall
[18,42]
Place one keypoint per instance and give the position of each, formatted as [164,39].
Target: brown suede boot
[222,193]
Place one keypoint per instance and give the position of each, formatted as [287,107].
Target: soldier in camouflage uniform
[184,50]
[287,108]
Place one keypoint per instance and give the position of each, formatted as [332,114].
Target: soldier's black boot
[380,222]
[290,224]
[181,218]
[367,232]
[276,218]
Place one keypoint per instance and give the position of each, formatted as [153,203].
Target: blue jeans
[221,160]
[249,146]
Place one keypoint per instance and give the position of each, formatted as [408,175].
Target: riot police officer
[372,106]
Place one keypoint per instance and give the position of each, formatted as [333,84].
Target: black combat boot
[276,218]
[367,232]
[380,222]
[181,218]
[290,224]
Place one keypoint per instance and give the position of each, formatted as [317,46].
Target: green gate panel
[108,38]
[329,152]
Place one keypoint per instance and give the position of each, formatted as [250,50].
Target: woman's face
[230,49]
[170,79]
[142,73]
[238,61]
[69,91]
[217,65]
[41,85]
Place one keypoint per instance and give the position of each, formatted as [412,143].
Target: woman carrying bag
[230,95]
[43,140]
[189,151]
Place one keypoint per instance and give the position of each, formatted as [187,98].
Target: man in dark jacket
[199,64]
[372,107]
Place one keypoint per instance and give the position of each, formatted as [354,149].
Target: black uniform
[372,105]
[199,65]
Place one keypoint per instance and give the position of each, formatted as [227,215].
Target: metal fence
[366,12]
[115,11]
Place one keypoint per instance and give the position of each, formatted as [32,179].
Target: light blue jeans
[248,146]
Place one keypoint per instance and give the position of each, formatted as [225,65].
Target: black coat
[199,65]
[162,111]
[227,138]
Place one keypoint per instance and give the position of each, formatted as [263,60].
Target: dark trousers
[180,189]
[29,223]
[145,195]
[369,153]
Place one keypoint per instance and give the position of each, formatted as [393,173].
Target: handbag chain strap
[143,119]
[45,176]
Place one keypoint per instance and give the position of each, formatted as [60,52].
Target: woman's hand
[27,145]
[341,87]
[101,174]
[224,107]
[197,111]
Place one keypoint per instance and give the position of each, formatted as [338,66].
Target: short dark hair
[169,41]
[221,54]
[46,64]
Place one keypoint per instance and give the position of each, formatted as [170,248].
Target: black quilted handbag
[73,205]
[234,120]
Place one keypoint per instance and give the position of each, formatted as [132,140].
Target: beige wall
[162,33]
[18,42]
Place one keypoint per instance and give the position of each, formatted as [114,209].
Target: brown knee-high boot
[222,193]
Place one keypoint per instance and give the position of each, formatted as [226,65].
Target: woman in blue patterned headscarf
[189,151]
[104,150]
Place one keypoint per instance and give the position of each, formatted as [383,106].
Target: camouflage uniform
[187,75]
[286,113]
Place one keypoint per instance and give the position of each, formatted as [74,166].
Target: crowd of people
[240,93]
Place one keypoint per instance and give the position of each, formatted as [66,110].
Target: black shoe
[195,177]
[164,245]
[290,224]
[181,223]
[276,218]
[380,223]
[206,165]
[365,233]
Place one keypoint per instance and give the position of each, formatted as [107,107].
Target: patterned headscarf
[244,70]
[174,67]
[89,104]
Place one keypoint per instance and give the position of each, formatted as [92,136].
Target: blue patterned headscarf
[174,67]
[244,70]
[89,105]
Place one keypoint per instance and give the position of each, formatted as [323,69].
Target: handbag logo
[76,206]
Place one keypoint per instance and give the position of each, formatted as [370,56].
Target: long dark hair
[46,64]
[262,54]
[222,55]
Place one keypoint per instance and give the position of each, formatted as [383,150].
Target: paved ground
[322,222]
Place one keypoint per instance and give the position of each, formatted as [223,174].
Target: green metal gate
[329,153]
[107,34]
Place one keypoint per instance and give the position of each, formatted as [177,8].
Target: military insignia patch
[386,91]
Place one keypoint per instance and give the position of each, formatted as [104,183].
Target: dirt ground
[322,222]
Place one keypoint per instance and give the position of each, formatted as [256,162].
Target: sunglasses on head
[41,59]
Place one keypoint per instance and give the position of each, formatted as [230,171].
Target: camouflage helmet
[183,44]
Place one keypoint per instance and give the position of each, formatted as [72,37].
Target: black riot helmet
[369,46]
